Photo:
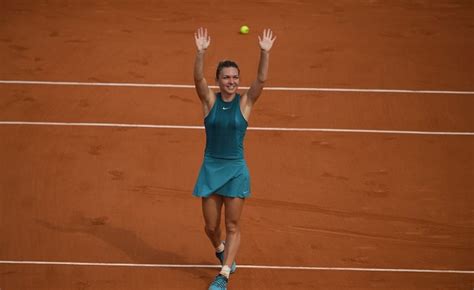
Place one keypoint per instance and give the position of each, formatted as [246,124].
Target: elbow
[198,78]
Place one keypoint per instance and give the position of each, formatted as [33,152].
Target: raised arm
[266,43]
[204,92]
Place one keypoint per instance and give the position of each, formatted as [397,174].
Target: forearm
[199,65]
[263,66]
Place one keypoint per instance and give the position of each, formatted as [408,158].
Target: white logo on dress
[225,108]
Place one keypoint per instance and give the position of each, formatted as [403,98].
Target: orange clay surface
[123,195]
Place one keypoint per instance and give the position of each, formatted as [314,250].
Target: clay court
[360,149]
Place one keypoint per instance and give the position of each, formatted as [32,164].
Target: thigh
[211,209]
[233,209]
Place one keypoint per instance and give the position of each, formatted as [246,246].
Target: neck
[228,97]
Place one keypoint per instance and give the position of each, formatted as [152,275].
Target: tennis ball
[244,29]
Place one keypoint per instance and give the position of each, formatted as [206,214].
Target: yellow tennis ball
[244,29]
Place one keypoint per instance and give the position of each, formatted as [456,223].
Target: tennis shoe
[219,283]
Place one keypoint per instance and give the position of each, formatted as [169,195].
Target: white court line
[249,128]
[265,267]
[341,90]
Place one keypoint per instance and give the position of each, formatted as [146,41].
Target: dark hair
[225,63]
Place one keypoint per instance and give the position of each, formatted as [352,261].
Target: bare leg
[233,210]
[211,209]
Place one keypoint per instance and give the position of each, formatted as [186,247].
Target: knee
[232,227]
[212,230]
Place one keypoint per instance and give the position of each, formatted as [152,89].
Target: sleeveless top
[225,129]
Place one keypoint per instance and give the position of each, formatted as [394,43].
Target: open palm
[202,39]
[267,39]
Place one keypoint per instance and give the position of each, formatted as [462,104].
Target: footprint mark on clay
[326,50]
[179,98]
[99,221]
[357,260]
[316,66]
[8,273]
[117,174]
[19,47]
[29,99]
[377,193]
[136,75]
[82,285]
[96,150]
[94,79]
[330,175]
[323,144]
[378,172]
[377,189]
[83,103]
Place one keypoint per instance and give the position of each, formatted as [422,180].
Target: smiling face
[227,77]
[228,80]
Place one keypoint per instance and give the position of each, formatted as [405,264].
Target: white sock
[220,248]
[225,271]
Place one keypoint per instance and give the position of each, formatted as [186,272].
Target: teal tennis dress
[224,170]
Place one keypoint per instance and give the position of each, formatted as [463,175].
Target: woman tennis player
[224,177]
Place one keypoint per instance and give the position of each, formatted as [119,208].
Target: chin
[232,91]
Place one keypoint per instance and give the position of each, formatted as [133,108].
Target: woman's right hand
[202,39]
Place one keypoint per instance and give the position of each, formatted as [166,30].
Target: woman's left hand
[266,41]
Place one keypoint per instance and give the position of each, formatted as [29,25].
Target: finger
[270,35]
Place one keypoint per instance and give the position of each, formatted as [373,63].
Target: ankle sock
[225,271]
[220,248]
